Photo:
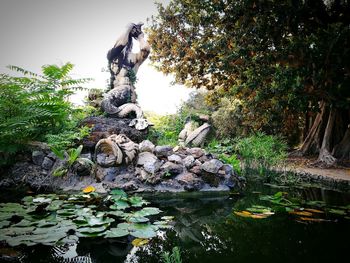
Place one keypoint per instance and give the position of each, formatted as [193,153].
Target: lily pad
[137,201]
[143,230]
[96,221]
[118,192]
[116,232]
[119,205]
[147,211]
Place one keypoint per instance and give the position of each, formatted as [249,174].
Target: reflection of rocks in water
[105,250]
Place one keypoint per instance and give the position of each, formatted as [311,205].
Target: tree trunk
[312,141]
[342,150]
[325,156]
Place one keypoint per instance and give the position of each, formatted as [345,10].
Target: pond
[212,227]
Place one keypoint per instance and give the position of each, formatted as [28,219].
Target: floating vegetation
[301,210]
[256,212]
[62,219]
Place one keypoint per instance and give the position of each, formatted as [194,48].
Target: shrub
[166,129]
[33,105]
[228,119]
[261,151]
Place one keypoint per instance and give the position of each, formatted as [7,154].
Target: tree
[286,61]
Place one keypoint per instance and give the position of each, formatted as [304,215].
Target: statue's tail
[108,107]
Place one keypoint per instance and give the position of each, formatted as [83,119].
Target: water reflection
[207,231]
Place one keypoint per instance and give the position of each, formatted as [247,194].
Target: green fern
[34,105]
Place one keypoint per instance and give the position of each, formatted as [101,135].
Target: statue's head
[136,30]
[140,124]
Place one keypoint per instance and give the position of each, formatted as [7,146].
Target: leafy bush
[232,160]
[166,129]
[261,151]
[228,119]
[34,105]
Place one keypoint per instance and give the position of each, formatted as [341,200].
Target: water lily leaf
[89,189]
[116,232]
[118,192]
[86,234]
[137,201]
[143,230]
[27,199]
[67,213]
[117,213]
[119,205]
[55,205]
[42,200]
[147,211]
[15,231]
[138,242]
[337,212]
[4,223]
[25,223]
[96,221]
[12,208]
[138,219]
[92,229]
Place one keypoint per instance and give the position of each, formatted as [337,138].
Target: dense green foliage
[261,152]
[36,107]
[275,59]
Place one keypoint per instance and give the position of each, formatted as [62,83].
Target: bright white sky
[38,32]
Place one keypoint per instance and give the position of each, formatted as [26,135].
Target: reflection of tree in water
[198,221]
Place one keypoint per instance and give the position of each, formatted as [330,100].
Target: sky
[39,32]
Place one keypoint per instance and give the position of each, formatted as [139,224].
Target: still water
[207,230]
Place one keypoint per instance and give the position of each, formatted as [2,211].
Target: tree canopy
[284,60]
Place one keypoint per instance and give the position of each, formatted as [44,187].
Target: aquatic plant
[174,257]
[300,210]
[61,219]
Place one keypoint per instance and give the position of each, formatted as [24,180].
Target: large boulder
[149,161]
[146,146]
[190,181]
[103,127]
[195,152]
[170,169]
[212,166]
[163,151]
[175,159]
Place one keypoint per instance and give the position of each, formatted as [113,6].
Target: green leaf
[119,205]
[118,192]
[116,232]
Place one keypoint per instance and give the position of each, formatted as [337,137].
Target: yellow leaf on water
[246,213]
[300,213]
[259,216]
[89,189]
[314,210]
[138,242]
[242,214]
